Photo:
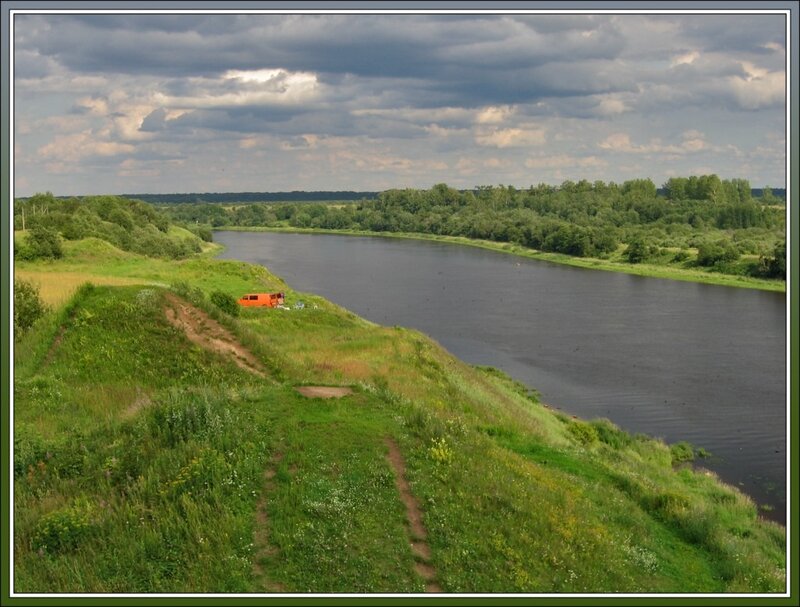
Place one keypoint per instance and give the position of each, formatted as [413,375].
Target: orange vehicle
[268,300]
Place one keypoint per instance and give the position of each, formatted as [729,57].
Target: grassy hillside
[149,458]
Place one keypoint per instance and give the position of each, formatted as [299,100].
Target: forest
[699,221]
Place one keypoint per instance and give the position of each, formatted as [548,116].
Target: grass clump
[681,452]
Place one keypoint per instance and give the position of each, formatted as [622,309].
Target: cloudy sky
[211,103]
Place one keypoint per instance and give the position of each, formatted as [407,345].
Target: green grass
[615,263]
[145,463]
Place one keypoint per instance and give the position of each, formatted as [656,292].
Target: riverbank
[193,473]
[649,270]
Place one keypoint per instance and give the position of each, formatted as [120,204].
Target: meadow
[144,462]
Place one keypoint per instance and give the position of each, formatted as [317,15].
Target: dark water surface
[677,360]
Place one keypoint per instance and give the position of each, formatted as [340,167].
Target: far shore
[651,270]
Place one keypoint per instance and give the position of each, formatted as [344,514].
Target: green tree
[773,266]
[28,306]
[638,250]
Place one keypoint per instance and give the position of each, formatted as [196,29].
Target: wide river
[676,360]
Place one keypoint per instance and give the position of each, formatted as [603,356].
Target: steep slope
[148,462]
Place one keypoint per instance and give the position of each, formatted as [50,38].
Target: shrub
[225,302]
[28,306]
[63,529]
[638,251]
[773,266]
[712,253]
[681,255]
[42,243]
[203,232]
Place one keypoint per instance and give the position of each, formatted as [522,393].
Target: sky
[112,103]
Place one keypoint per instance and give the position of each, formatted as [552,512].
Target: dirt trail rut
[207,333]
[417,533]
[261,540]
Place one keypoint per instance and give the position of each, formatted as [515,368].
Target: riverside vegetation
[146,462]
[701,228]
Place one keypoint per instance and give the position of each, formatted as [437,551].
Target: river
[676,360]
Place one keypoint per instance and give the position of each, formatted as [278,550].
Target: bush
[225,302]
[638,251]
[712,253]
[681,255]
[42,243]
[28,306]
[203,232]
[63,529]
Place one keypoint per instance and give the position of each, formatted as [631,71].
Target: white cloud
[525,135]
[559,161]
[249,143]
[94,105]
[758,88]
[256,87]
[495,114]
[684,59]
[692,141]
[609,106]
[77,146]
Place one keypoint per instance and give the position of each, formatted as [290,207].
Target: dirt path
[54,346]
[207,333]
[416,530]
[261,535]
[324,391]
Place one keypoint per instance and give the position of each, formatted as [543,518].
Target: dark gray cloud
[30,64]
[463,52]
[154,121]
[736,33]
[470,94]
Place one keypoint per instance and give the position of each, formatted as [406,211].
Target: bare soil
[416,529]
[324,391]
[207,333]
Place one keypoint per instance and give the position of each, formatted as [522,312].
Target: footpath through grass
[146,463]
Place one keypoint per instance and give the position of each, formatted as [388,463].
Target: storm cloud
[164,103]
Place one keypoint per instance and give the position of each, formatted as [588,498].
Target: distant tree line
[131,225]
[250,197]
[719,218]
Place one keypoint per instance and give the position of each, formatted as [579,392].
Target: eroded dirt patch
[207,333]
[324,391]
[416,530]
[261,540]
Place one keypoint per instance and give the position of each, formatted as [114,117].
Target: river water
[676,360]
